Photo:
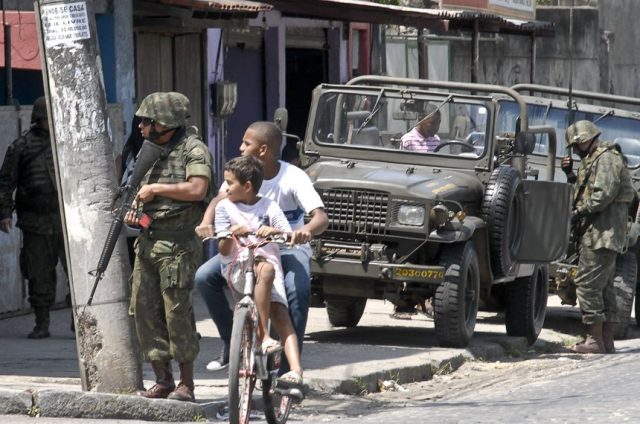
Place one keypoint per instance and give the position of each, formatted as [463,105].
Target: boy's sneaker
[222,362]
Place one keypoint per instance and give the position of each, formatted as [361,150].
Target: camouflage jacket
[605,199]
[28,170]
[190,157]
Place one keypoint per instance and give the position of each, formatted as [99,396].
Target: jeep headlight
[411,215]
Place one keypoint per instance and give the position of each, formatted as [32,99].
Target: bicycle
[246,365]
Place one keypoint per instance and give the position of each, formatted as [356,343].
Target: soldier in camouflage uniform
[28,171]
[174,194]
[602,193]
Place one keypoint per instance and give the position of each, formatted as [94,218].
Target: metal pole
[571,115]
[475,51]
[534,50]
[422,54]
[8,71]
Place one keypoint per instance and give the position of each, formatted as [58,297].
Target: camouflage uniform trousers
[161,298]
[594,285]
[38,259]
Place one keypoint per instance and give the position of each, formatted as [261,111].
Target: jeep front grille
[356,211]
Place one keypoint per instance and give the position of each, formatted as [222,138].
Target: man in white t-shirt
[292,189]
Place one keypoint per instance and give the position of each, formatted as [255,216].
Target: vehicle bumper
[376,270]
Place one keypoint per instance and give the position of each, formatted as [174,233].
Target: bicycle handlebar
[282,238]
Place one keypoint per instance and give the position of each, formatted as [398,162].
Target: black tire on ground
[624,283]
[456,299]
[240,386]
[345,311]
[526,304]
[502,209]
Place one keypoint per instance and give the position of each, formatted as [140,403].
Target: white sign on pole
[524,5]
[62,23]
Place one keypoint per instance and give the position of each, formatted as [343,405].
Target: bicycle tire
[242,376]
[276,407]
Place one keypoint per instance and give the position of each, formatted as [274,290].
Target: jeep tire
[345,311]
[624,283]
[456,299]
[526,304]
[502,209]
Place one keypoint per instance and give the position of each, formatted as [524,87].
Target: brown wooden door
[172,62]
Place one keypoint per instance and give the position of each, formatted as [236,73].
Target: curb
[488,350]
[61,403]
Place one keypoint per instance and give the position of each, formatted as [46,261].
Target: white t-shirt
[263,212]
[293,191]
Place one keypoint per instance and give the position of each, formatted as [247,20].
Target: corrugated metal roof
[221,5]
[439,19]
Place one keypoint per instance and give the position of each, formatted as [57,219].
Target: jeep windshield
[427,124]
[625,131]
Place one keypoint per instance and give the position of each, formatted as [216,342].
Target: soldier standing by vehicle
[599,217]
[28,171]
[174,195]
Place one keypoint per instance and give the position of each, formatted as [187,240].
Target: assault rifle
[148,155]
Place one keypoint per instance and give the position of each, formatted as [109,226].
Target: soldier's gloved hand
[567,164]
[5,225]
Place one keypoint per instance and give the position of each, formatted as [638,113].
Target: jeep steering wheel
[463,145]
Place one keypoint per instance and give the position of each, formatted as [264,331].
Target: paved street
[554,389]
[346,360]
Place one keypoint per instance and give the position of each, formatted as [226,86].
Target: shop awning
[220,5]
[24,41]
[194,13]
[432,19]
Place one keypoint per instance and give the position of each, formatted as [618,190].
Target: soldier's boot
[41,330]
[608,331]
[593,343]
[184,391]
[164,382]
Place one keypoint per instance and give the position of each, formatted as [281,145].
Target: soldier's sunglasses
[147,121]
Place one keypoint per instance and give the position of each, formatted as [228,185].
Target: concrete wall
[620,34]
[605,54]
[506,59]
[13,288]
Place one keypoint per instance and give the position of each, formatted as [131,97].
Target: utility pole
[85,171]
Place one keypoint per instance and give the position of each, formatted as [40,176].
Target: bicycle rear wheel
[276,406]
[242,376]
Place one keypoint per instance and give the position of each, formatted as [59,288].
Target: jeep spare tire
[502,209]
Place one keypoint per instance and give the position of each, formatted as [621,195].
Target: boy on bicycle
[242,213]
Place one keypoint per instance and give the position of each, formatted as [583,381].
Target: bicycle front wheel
[242,376]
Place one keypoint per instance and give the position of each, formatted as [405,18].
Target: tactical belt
[169,235]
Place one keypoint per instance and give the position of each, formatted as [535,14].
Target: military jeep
[620,126]
[454,224]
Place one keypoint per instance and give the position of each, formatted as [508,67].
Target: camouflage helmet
[170,110]
[39,111]
[581,132]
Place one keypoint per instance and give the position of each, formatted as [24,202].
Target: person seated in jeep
[423,137]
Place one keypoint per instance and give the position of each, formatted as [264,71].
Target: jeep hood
[426,183]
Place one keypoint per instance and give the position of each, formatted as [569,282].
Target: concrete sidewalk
[41,376]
